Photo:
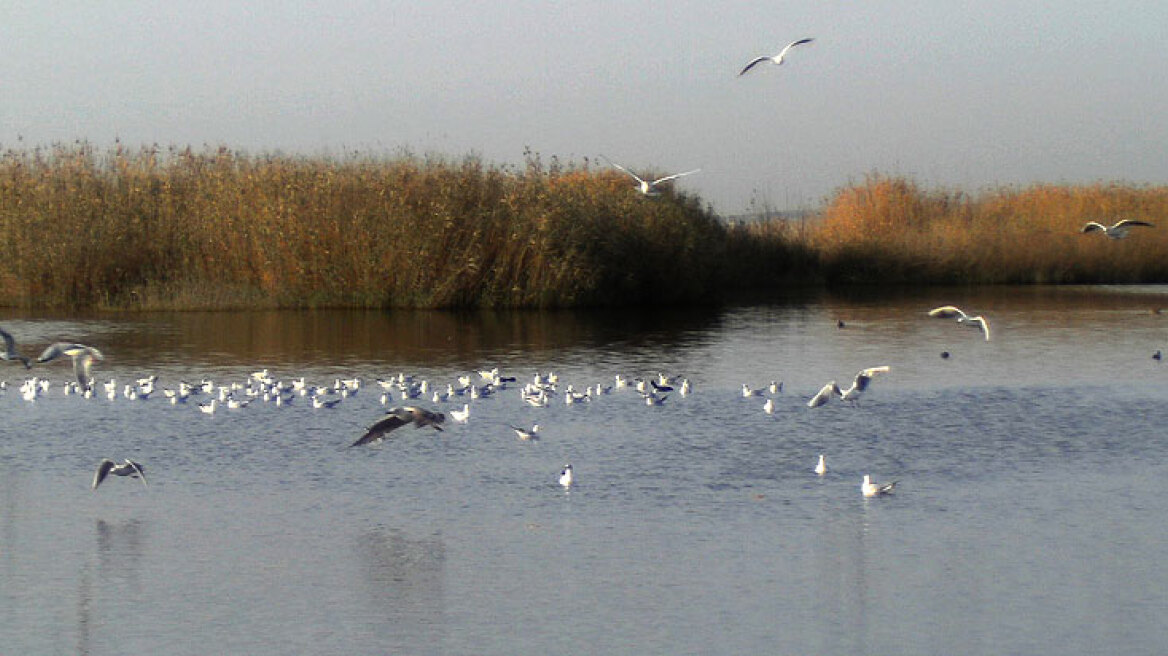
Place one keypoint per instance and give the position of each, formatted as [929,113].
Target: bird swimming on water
[950,311]
[82,355]
[821,466]
[869,488]
[1117,230]
[9,352]
[777,59]
[566,476]
[126,468]
[398,417]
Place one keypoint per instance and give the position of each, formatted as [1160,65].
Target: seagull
[396,417]
[950,311]
[870,489]
[821,466]
[83,357]
[824,395]
[526,434]
[1117,230]
[461,416]
[646,187]
[127,468]
[9,352]
[566,476]
[777,59]
[769,406]
[860,383]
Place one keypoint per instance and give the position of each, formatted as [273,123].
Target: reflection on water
[1030,504]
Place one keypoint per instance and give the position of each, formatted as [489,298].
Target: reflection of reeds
[889,230]
[219,229]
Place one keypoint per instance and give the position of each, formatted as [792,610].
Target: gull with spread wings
[398,417]
[777,59]
[647,187]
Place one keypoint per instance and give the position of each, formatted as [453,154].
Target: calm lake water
[1029,517]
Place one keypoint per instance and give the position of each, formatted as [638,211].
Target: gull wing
[618,166]
[824,395]
[1093,226]
[1127,223]
[792,45]
[139,469]
[380,429]
[983,324]
[754,62]
[672,177]
[103,470]
[10,349]
[946,312]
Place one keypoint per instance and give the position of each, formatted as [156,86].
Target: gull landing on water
[859,384]
[950,311]
[777,59]
[869,488]
[397,417]
[646,187]
[126,468]
[1117,230]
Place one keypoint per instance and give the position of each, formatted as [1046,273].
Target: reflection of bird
[649,188]
[127,468]
[1117,230]
[777,59]
[872,489]
[83,357]
[566,476]
[397,417]
[950,311]
[9,352]
[821,466]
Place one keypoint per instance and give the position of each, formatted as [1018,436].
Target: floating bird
[127,468]
[9,352]
[397,417]
[209,406]
[777,59]
[860,382]
[82,355]
[769,406]
[872,489]
[821,466]
[646,187]
[461,416]
[531,434]
[950,311]
[566,476]
[1117,230]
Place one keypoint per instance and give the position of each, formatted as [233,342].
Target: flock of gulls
[261,386]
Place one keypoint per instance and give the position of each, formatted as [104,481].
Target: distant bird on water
[527,434]
[646,187]
[1117,230]
[9,352]
[821,466]
[397,417]
[950,311]
[126,468]
[777,59]
[82,355]
[869,488]
[566,476]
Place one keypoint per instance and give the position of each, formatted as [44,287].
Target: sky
[952,94]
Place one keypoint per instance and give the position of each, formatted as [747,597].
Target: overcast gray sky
[956,94]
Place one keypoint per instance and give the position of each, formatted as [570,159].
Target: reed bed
[218,229]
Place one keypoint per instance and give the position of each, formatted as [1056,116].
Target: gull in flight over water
[859,384]
[869,488]
[83,357]
[397,417]
[126,468]
[9,352]
[1117,230]
[777,59]
[646,187]
[950,311]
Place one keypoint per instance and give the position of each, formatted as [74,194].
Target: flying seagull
[127,468]
[871,489]
[950,311]
[777,59]
[860,382]
[83,357]
[397,417]
[824,395]
[646,187]
[1117,230]
[9,352]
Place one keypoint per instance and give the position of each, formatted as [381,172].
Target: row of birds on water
[537,393]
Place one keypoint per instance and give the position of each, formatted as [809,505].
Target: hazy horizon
[964,96]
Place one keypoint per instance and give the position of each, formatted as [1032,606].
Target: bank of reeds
[889,230]
[181,229]
[219,229]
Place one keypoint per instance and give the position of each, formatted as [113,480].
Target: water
[1028,519]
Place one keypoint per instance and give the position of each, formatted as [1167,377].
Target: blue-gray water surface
[1028,516]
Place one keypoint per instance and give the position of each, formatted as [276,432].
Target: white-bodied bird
[1117,230]
[950,311]
[777,59]
[647,187]
[870,488]
[82,355]
[126,468]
